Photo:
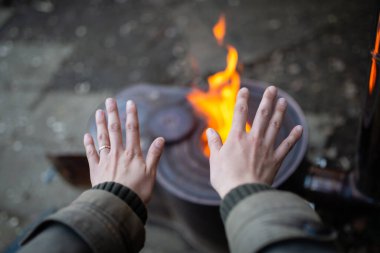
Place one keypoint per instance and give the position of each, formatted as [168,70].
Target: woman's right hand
[250,157]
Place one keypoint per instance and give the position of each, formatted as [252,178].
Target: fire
[373,75]
[219,30]
[217,104]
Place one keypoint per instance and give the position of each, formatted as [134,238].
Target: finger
[275,122]
[92,155]
[102,131]
[154,154]
[262,117]
[214,141]
[114,126]
[241,109]
[288,143]
[132,129]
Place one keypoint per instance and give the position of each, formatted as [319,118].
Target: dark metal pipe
[368,173]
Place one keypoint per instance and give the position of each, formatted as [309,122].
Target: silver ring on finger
[104,147]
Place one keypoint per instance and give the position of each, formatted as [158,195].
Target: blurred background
[59,60]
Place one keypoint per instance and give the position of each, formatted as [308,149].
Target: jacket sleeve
[56,237]
[99,220]
[259,218]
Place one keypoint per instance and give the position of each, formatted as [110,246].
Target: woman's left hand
[115,163]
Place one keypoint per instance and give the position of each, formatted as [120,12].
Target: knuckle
[138,154]
[289,142]
[238,134]
[103,137]
[132,126]
[276,160]
[264,112]
[90,151]
[276,124]
[115,127]
[214,141]
[257,141]
[241,108]
[129,155]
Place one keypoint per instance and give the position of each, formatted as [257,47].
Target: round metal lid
[174,123]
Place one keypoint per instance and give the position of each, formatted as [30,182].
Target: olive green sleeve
[102,220]
[268,216]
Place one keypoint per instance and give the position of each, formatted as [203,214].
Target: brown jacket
[257,219]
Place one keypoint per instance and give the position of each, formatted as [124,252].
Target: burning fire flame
[373,75]
[217,104]
[219,30]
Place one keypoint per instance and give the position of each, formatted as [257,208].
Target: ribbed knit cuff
[237,194]
[128,196]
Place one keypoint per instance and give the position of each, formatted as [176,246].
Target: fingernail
[272,89]
[129,104]
[99,113]
[282,100]
[299,128]
[159,142]
[109,101]
[86,137]
[244,92]
[209,132]
[244,89]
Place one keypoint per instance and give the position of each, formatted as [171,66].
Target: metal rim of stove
[178,181]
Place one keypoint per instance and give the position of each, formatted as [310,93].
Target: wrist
[127,195]
[223,191]
[237,194]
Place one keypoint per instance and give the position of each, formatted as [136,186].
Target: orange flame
[217,104]
[373,74]
[219,29]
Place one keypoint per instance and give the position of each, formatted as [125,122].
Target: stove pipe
[368,174]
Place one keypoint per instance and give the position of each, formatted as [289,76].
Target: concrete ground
[60,59]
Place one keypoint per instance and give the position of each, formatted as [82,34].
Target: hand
[125,166]
[250,157]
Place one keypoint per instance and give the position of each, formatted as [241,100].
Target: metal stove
[184,198]
[183,171]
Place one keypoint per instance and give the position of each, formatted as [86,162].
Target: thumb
[214,141]
[154,154]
